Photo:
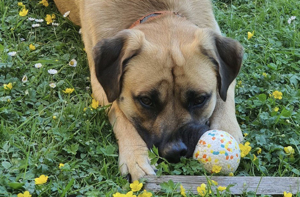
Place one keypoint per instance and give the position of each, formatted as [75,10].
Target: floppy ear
[225,53]
[229,54]
[111,56]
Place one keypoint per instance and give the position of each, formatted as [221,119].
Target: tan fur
[177,49]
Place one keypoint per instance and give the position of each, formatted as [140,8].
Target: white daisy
[291,19]
[73,63]
[39,20]
[55,24]
[26,92]
[35,25]
[31,19]
[13,53]
[24,79]
[52,71]
[66,14]
[22,39]
[38,65]
[52,85]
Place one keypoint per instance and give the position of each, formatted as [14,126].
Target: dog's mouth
[183,143]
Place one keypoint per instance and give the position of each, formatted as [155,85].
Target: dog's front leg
[224,117]
[133,151]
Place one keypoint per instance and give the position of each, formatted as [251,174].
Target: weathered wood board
[259,185]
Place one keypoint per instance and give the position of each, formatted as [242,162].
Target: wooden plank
[259,185]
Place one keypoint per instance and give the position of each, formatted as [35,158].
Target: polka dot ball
[217,149]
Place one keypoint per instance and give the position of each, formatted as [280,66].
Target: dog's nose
[174,151]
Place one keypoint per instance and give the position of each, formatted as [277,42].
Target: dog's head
[167,85]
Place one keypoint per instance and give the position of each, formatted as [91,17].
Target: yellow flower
[48,19]
[68,90]
[202,191]
[289,150]
[245,149]
[212,182]
[54,117]
[53,16]
[230,174]
[95,104]
[254,157]
[130,194]
[25,194]
[285,194]
[250,35]
[23,12]
[21,4]
[118,195]
[32,47]
[221,188]
[277,95]
[258,151]
[246,134]
[216,169]
[41,180]
[136,186]
[276,109]
[145,194]
[8,86]
[61,165]
[44,2]
[182,191]
[264,74]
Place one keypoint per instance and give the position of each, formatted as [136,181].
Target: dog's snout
[174,151]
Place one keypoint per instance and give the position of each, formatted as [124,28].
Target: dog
[166,70]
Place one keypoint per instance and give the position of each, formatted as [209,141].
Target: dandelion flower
[25,194]
[145,194]
[23,12]
[24,79]
[258,151]
[245,149]
[136,186]
[216,169]
[32,47]
[277,95]
[41,180]
[44,2]
[21,4]
[13,53]
[73,63]
[250,35]
[52,71]
[61,165]
[289,150]
[95,104]
[182,191]
[48,19]
[8,86]
[68,90]
[38,65]
[285,194]
[66,14]
[221,188]
[52,85]
[35,25]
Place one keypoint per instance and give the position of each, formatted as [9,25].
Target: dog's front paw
[135,162]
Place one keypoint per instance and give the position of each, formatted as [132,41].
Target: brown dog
[166,69]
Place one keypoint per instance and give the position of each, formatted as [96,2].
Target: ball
[218,151]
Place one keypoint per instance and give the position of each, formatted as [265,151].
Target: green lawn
[42,127]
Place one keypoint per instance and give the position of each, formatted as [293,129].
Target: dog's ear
[229,57]
[111,56]
[226,54]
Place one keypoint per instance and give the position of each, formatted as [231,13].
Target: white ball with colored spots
[218,149]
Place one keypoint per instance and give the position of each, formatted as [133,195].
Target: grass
[41,127]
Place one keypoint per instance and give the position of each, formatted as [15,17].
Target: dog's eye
[199,101]
[146,101]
